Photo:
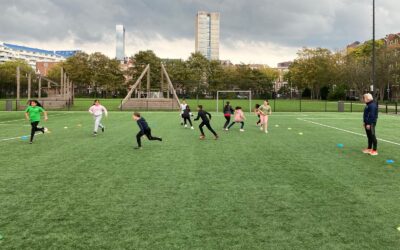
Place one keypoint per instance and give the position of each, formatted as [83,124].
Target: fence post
[120,107]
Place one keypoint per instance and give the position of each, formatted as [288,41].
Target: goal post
[235,91]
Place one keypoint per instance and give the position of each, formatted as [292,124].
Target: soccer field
[292,188]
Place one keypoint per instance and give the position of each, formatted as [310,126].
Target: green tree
[8,82]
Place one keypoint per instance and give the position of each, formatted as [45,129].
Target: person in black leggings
[370,119]
[144,130]
[186,117]
[228,111]
[205,121]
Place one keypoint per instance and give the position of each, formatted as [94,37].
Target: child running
[183,107]
[144,130]
[97,111]
[186,117]
[205,121]
[239,118]
[264,111]
[258,114]
[32,113]
[228,111]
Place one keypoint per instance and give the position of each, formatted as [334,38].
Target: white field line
[5,122]
[347,131]
[19,137]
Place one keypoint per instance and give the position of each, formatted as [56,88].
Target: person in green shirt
[32,113]
[264,111]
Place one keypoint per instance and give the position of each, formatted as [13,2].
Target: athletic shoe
[216,137]
[202,137]
[367,151]
[261,128]
[226,129]
[373,153]
[191,128]
[160,139]
[30,142]
[137,148]
[43,130]
[185,126]
[266,131]
[102,129]
[241,130]
[94,133]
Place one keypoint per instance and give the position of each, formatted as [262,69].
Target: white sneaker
[266,131]
[185,126]
[226,129]
[261,128]
[241,130]
[191,128]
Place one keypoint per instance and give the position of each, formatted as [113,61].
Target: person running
[239,118]
[183,107]
[32,113]
[205,122]
[186,117]
[370,119]
[264,111]
[258,114]
[97,110]
[144,130]
[228,111]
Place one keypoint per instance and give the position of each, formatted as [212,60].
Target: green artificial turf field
[247,190]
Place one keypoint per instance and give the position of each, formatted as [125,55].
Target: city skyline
[265,32]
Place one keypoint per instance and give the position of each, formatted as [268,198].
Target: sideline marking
[344,130]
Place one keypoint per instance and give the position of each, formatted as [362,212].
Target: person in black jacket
[370,119]
[228,111]
[144,130]
[186,117]
[205,121]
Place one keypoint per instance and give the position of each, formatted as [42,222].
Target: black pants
[34,129]
[186,119]
[233,123]
[259,120]
[146,132]
[372,142]
[228,119]
[207,124]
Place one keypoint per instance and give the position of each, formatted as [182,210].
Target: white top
[183,106]
[97,110]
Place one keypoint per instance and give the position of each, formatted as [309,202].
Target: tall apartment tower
[207,34]
[120,42]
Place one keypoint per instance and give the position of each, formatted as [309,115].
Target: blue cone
[340,145]
[24,137]
[390,161]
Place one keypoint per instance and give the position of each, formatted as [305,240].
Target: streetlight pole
[373,49]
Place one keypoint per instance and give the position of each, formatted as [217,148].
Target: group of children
[34,109]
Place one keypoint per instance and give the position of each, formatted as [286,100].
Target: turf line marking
[19,137]
[347,131]
[4,123]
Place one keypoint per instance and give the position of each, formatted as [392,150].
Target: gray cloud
[327,23]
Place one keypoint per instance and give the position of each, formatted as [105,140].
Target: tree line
[322,74]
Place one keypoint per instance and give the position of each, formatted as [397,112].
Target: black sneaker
[94,133]
[42,130]
[160,139]
[102,129]
[137,148]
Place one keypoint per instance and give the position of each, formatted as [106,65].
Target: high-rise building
[120,42]
[207,34]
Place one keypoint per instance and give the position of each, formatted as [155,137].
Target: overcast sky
[256,31]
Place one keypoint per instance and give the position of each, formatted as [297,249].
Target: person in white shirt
[183,108]
[97,110]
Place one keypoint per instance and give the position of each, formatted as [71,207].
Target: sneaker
[241,130]
[185,126]
[160,139]
[137,148]
[191,128]
[216,137]
[266,131]
[373,153]
[43,129]
[102,129]
[226,129]
[30,142]
[202,137]
[94,133]
[367,151]
[261,128]
[46,130]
